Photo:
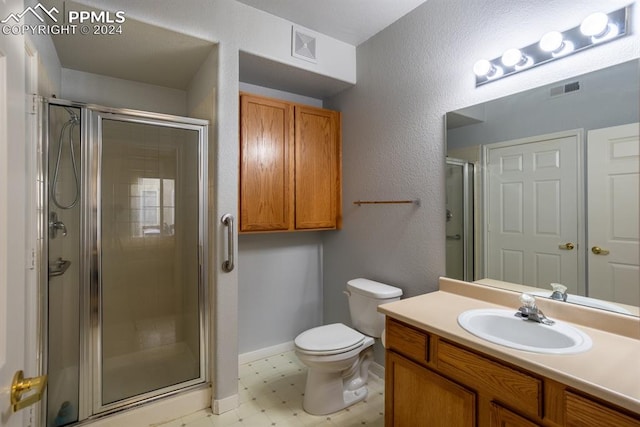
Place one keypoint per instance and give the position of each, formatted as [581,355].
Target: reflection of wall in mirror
[606,98]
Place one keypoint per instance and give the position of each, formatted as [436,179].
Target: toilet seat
[329,339]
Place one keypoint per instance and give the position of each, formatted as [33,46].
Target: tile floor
[271,391]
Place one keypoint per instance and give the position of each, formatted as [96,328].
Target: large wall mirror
[543,188]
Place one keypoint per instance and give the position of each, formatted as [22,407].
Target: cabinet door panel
[317,168]
[265,179]
[502,417]
[418,397]
[508,385]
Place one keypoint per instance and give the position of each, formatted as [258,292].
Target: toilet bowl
[337,356]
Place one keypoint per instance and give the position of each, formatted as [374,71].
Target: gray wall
[279,287]
[409,76]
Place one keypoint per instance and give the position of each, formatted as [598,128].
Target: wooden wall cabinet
[431,381]
[290,166]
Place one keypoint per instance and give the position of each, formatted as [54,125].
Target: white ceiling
[352,21]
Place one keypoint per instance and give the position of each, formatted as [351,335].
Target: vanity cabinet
[432,381]
[290,166]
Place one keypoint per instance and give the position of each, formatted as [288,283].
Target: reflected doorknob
[567,246]
[599,251]
[20,385]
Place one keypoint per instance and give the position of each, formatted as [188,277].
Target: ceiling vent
[303,45]
[564,89]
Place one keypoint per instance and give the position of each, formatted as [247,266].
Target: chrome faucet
[559,292]
[529,310]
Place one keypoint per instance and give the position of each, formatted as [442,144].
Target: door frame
[579,134]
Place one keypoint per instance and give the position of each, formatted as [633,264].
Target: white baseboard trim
[377,370]
[274,350]
[224,405]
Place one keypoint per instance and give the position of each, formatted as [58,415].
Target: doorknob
[567,246]
[20,385]
[599,251]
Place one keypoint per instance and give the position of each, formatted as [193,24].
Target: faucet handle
[528,300]
[558,287]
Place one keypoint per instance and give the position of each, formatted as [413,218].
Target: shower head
[74,117]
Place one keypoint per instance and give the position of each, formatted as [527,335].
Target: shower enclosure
[459,225]
[124,250]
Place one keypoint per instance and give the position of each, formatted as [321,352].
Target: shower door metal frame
[467,216]
[90,369]
[97,116]
[43,235]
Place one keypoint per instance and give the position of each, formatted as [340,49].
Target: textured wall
[409,76]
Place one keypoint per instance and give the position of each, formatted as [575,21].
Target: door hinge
[32,102]
[31,259]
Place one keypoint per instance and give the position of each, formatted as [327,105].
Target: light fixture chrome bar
[554,45]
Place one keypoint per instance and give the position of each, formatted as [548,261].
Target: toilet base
[329,392]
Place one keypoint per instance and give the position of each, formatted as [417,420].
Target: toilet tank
[364,298]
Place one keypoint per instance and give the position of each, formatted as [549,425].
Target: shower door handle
[227,266]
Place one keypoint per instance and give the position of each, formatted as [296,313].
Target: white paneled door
[614,213]
[12,214]
[532,210]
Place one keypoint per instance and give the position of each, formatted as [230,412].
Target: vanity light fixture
[595,29]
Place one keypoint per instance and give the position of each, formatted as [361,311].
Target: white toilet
[338,356]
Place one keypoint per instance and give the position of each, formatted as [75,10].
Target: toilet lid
[329,339]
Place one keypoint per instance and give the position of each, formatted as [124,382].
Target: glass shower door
[148,240]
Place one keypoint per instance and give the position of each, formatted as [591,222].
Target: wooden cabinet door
[266,138]
[502,417]
[418,397]
[317,168]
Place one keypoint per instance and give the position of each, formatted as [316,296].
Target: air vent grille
[564,89]
[303,45]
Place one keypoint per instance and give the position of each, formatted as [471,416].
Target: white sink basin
[504,328]
[587,301]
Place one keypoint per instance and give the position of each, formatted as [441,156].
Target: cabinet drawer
[407,341]
[501,383]
[583,412]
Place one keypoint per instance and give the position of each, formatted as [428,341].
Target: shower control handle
[55,225]
[227,266]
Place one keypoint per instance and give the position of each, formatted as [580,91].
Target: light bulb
[551,41]
[595,25]
[555,43]
[513,57]
[482,68]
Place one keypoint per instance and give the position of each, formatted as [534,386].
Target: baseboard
[224,405]
[265,352]
[377,370]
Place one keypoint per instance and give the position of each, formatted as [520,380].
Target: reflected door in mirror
[532,207]
[613,215]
